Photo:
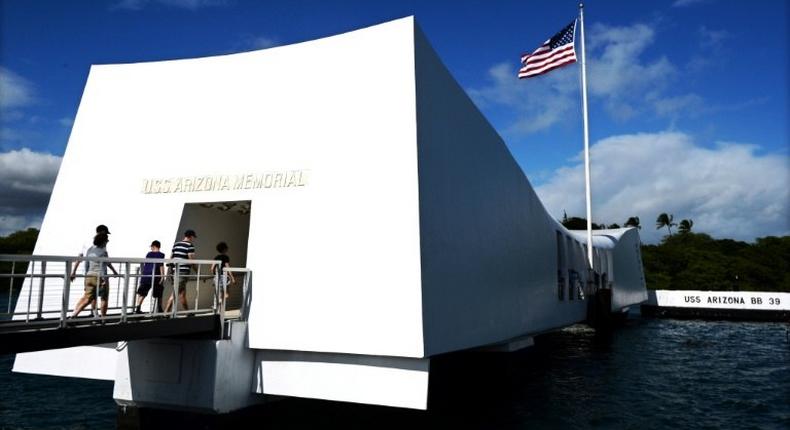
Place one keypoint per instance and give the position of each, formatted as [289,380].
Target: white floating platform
[746,305]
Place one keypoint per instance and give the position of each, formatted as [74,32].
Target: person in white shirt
[96,278]
[101,228]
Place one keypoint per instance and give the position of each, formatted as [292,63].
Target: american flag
[555,52]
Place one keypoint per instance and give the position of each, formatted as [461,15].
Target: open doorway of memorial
[216,222]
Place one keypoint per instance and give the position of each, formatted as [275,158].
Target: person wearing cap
[183,249]
[152,274]
[100,229]
[95,279]
[225,278]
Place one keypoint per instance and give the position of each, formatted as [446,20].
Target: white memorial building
[384,221]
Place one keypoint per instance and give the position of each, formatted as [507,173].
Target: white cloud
[183,4]
[66,122]
[614,67]
[684,3]
[12,223]
[262,42]
[15,91]
[729,191]
[534,106]
[712,39]
[10,135]
[673,106]
[710,52]
[26,170]
[26,180]
[253,42]
[619,77]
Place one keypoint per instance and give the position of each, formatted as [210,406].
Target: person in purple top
[153,274]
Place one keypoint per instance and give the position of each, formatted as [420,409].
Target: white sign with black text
[720,299]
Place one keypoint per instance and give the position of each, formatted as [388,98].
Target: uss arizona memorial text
[188,184]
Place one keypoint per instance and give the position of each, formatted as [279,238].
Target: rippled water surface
[647,374]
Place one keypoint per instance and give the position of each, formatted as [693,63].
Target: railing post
[244,294]
[117,288]
[126,267]
[41,289]
[223,287]
[136,284]
[64,307]
[11,286]
[197,287]
[217,302]
[176,278]
[30,290]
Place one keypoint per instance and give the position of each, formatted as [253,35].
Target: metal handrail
[60,267]
[22,257]
[246,291]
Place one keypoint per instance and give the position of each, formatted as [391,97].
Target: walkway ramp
[41,299]
[45,334]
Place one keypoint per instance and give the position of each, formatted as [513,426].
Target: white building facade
[385,221]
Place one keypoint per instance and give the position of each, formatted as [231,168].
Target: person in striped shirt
[183,249]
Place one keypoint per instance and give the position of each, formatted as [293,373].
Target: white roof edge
[607,238]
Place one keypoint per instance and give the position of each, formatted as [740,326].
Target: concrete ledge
[512,345]
[377,380]
[207,376]
[26,340]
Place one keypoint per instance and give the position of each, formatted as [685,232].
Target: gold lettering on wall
[246,181]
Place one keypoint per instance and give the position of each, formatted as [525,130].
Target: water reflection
[646,374]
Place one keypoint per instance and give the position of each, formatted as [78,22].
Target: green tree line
[689,261]
[21,242]
[696,261]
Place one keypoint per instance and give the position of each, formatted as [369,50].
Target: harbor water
[646,374]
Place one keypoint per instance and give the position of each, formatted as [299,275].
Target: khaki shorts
[91,284]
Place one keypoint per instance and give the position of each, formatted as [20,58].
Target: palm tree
[633,222]
[665,220]
[685,226]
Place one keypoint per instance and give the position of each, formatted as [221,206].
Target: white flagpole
[586,141]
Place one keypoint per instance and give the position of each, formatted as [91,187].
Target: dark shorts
[145,286]
[182,283]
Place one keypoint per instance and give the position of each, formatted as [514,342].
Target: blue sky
[688,98]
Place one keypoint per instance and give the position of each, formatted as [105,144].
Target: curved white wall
[336,261]
[416,233]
